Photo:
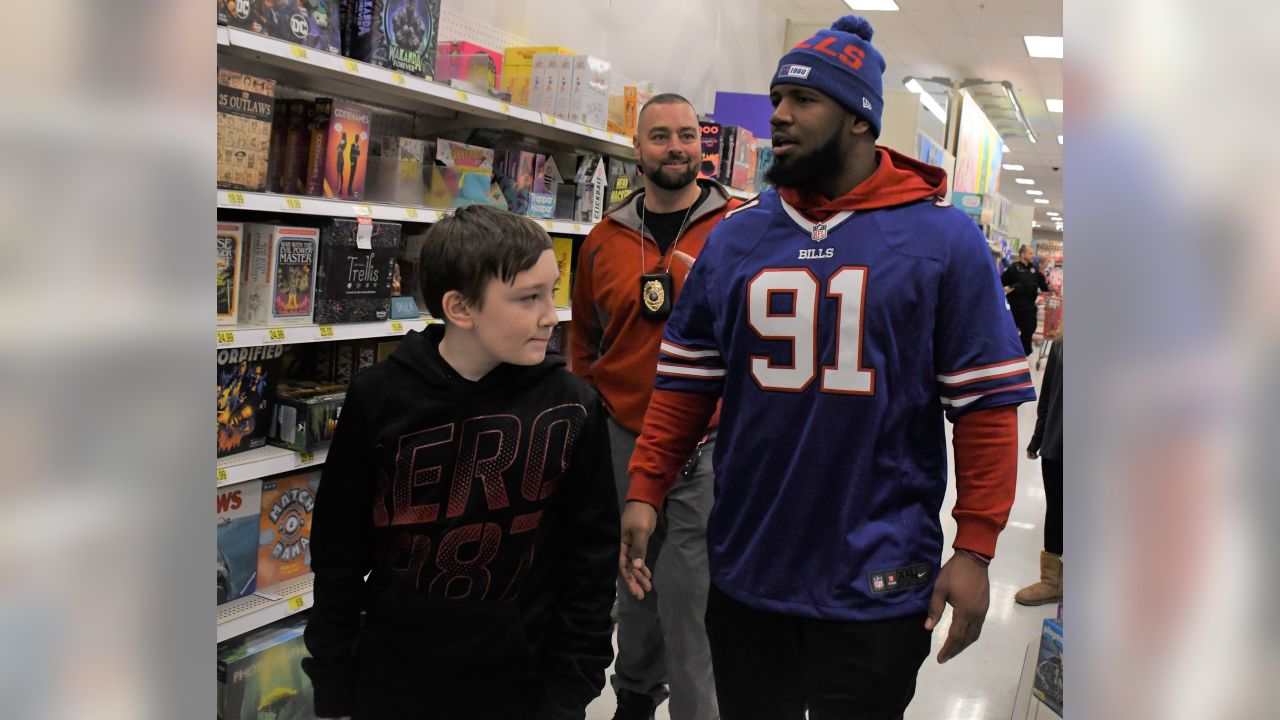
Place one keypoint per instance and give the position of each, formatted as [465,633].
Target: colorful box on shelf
[313,24]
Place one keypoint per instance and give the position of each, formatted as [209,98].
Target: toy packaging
[589,95]
[238,511]
[313,23]
[320,115]
[246,105]
[395,34]
[347,150]
[246,391]
[1048,682]
[260,676]
[280,283]
[563,248]
[306,414]
[711,146]
[592,185]
[564,85]
[517,71]
[284,528]
[477,66]
[353,283]
[463,175]
[230,244]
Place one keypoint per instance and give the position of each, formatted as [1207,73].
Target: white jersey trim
[808,225]
[1011,368]
[689,371]
[670,349]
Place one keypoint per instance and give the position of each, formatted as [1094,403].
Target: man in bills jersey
[839,319]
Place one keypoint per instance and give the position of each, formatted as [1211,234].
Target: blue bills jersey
[838,348]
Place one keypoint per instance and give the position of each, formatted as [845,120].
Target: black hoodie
[485,516]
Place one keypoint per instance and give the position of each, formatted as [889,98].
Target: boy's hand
[964,584]
[638,522]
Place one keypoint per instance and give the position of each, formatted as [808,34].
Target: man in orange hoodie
[839,320]
[627,280]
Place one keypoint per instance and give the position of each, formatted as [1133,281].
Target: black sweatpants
[774,667]
[1052,472]
[1024,316]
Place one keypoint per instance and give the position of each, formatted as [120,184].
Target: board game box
[320,116]
[711,147]
[284,529]
[473,63]
[306,414]
[563,248]
[589,93]
[230,241]
[246,390]
[246,105]
[239,507]
[280,284]
[1048,681]
[395,34]
[313,23]
[354,284]
[347,150]
[260,676]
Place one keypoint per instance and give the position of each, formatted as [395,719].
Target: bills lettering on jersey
[816,254]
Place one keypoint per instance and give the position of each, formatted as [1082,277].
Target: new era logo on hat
[794,71]
[867,104]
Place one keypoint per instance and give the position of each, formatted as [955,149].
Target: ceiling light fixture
[1059,139]
[1011,166]
[1006,151]
[1054,104]
[1041,201]
[926,99]
[1035,192]
[1024,181]
[1013,100]
[884,5]
[1043,46]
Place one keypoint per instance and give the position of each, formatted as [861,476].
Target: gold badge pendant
[655,295]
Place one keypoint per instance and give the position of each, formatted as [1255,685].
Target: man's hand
[684,258]
[1032,454]
[963,584]
[638,521]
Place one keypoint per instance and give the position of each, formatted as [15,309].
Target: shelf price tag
[275,334]
[551,119]
[577,227]
[235,198]
[306,457]
[397,78]
[397,326]
[411,213]
[226,337]
[549,225]
[296,603]
[350,66]
[506,107]
[462,95]
[326,331]
[363,210]
[299,52]
[293,203]
[222,475]
[586,129]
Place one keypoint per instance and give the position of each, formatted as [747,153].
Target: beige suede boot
[1049,589]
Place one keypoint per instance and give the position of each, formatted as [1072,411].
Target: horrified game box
[353,284]
[246,391]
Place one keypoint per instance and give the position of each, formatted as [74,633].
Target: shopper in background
[469,479]
[1023,282]
[1046,443]
[626,282]
[837,317]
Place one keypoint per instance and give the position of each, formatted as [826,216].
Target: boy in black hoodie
[470,480]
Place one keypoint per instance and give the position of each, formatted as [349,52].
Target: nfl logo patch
[819,232]
[877,582]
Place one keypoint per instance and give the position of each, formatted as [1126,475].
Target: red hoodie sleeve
[584,336]
[673,425]
[986,450]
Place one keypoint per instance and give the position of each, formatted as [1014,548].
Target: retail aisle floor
[981,683]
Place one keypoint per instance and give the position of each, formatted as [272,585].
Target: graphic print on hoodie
[485,514]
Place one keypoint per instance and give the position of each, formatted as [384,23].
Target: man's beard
[655,175]
[805,172]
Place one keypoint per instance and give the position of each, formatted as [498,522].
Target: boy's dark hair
[472,245]
[665,99]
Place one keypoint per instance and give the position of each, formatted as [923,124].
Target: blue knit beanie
[842,64]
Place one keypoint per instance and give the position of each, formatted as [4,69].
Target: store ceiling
[963,39]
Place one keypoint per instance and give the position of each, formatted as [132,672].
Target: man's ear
[458,311]
[857,125]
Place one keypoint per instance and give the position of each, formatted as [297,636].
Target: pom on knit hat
[842,64]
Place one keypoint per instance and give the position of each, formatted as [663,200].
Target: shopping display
[260,675]
[247,379]
[311,23]
[238,510]
[279,280]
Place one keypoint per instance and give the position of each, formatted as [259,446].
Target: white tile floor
[981,683]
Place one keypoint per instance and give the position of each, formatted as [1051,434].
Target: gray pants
[674,649]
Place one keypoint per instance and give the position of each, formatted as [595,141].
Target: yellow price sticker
[462,95]
[226,337]
[275,334]
[549,225]
[551,120]
[222,475]
[293,203]
[411,213]
[506,107]
[299,52]
[586,129]
[326,331]
[577,227]
[364,210]
[235,198]
[397,78]
[296,603]
[305,457]
[397,326]
[350,66]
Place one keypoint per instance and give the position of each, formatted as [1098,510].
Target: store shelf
[236,336]
[1026,706]
[264,461]
[300,205]
[264,607]
[326,72]
[223,37]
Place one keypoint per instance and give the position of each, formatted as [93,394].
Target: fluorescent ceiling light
[1011,166]
[1042,46]
[1059,139]
[886,5]
[1054,104]
[1024,181]
[1035,192]
[1006,151]
[1041,201]
[925,98]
